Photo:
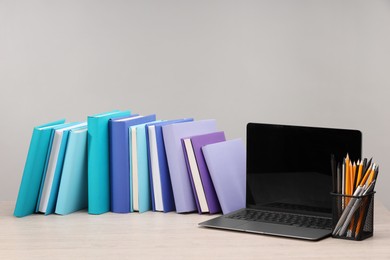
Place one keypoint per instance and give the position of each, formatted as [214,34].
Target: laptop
[289,180]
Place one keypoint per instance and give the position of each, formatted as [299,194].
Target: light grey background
[317,63]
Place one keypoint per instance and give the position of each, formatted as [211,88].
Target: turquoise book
[33,169]
[98,161]
[73,189]
[54,170]
[50,164]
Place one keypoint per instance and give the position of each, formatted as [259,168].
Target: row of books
[123,162]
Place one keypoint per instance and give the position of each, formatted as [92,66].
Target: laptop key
[283,218]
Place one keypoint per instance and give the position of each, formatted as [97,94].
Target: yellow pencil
[359,176]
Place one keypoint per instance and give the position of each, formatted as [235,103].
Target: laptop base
[223,222]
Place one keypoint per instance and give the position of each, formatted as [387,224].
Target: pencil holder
[353,216]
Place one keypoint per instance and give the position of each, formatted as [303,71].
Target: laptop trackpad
[284,230]
[222,222]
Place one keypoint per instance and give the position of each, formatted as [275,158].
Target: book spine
[98,171]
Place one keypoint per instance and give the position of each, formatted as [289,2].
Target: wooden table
[155,235]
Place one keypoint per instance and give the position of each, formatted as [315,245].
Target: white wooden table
[153,235]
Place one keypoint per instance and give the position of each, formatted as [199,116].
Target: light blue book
[33,169]
[53,175]
[140,168]
[50,164]
[73,189]
[98,161]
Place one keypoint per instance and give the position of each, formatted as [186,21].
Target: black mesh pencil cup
[353,216]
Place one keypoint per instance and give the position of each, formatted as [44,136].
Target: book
[33,169]
[140,168]
[120,166]
[160,180]
[193,171]
[226,162]
[54,169]
[98,161]
[182,191]
[133,164]
[200,178]
[73,189]
[48,162]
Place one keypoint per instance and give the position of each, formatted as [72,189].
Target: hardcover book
[54,169]
[33,169]
[205,188]
[160,180]
[73,189]
[98,161]
[226,162]
[182,190]
[120,167]
[140,169]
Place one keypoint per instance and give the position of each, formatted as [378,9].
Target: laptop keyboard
[283,218]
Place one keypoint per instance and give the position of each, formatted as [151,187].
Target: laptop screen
[289,169]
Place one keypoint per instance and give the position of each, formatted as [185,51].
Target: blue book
[54,169]
[120,173]
[98,161]
[181,185]
[160,181]
[33,169]
[73,189]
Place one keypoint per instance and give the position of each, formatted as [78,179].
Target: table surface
[156,235]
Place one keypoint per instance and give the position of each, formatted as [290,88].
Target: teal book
[141,181]
[98,161]
[73,189]
[54,169]
[33,169]
[51,161]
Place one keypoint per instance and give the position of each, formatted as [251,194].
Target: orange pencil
[347,178]
[353,176]
[366,175]
[372,175]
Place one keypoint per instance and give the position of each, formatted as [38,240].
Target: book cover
[120,166]
[226,162]
[98,161]
[160,180]
[33,169]
[208,187]
[73,189]
[54,168]
[182,190]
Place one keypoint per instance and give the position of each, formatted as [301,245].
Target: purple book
[226,162]
[173,133]
[197,143]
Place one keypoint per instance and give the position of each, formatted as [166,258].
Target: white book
[194,171]
[134,166]
[155,169]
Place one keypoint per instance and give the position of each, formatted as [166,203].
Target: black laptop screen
[288,167]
